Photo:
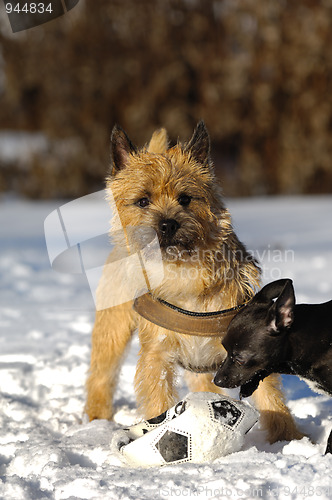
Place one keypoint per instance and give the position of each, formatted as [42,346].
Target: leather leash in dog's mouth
[171,317]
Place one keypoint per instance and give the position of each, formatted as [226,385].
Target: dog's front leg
[201,382]
[275,416]
[112,331]
[155,371]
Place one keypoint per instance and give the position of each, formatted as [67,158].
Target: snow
[48,450]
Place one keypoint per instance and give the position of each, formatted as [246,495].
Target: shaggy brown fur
[206,268]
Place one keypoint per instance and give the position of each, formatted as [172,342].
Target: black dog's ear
[121,149]
[271,291]
[199,144]
[281,313]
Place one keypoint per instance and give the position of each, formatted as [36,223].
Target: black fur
[329,444]
[278,337]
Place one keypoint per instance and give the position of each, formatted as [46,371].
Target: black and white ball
[200,428]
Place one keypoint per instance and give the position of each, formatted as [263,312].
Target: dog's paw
[98,413]
[280,426]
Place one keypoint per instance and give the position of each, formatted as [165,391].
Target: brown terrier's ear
[199,144]
[158,142]
[121,149]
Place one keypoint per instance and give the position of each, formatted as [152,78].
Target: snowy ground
[46,452]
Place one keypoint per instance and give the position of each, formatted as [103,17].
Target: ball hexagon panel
[159,419]
[226,412]
[173,446]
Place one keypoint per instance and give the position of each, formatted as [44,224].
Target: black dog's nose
[168,227]
[218,379]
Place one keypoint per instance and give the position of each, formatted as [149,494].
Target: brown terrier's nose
[168,227]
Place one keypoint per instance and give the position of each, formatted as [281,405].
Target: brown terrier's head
[172,190]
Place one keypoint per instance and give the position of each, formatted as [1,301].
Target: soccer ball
[200,428]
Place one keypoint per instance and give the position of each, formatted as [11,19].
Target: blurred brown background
[258,72]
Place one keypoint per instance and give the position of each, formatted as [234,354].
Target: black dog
[278,337]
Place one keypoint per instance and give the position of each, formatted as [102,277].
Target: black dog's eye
[184,200]
[143,202]
[238,360]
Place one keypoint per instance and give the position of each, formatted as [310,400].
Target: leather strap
[171,317]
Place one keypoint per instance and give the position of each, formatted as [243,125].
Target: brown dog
[206,268]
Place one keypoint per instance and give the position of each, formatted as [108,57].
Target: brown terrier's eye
[184,200]
[143,202]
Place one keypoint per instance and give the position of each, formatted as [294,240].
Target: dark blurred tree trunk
[259,73]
